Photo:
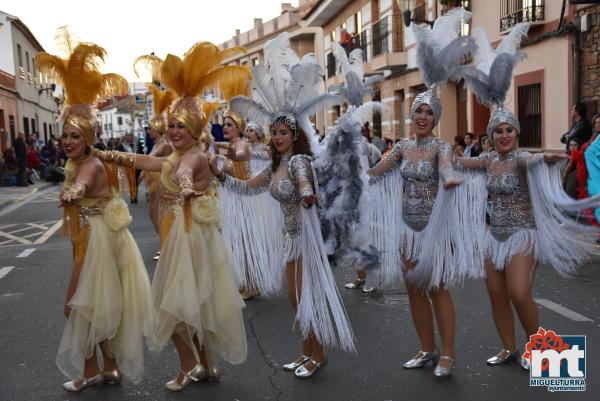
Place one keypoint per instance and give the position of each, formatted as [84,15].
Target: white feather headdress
[440,51]
[492,76]
[285,88]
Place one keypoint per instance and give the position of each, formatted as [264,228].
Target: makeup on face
[505,138]
[179,135]
[283,138]
[423,120]
[73,142]
[230,129]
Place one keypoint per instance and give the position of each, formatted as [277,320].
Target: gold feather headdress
[200,69]
[83,83]
[162,99]
[238,87]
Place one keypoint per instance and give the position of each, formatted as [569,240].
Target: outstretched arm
[251,186]
[388,162]
[445,170]
[124,159]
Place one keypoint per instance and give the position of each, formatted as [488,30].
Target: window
[26,125]
[530,115]
[330,65]
[514,11]
[20,55]
[33,66]
[12,128]
[380,36]
[46,132]
[119,120]
[50,129]
[376,115]
[27,61]
[34,127]
[359,22]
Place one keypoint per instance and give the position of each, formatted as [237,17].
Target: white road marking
[5,270]
[26,253]
[49,233]
[561,310]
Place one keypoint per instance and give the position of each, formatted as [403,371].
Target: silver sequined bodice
[509,199]
[419,169]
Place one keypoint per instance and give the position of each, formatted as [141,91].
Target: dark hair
[581,109]
[469,134]
[301,146]
[460,140]
[577,141]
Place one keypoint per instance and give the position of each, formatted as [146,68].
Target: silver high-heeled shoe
[421,359]
[292,366]
[524,363]
[304,373]
[214,374]
[188,377]
[441,371]
[508,356]
[113,376]
[83,383]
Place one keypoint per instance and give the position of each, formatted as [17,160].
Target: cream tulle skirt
[112,300]
[194,290]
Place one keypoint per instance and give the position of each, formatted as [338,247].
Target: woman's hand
[67,310]
[308,200]
[452,182]
[72,194]
[555,157]
[214,169]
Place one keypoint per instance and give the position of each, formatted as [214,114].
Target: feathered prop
[83,83]
[342,173]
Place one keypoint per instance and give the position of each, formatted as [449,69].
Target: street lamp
[407,14]
[51,88]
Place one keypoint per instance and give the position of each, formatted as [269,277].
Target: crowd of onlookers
[30,157]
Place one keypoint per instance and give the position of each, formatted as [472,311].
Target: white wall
[7,58]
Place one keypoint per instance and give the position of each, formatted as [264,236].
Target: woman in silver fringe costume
[527,205]
[320,314]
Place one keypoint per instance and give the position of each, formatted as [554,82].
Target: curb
[42,187]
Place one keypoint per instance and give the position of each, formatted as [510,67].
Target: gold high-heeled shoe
[502,357]
[112,376]
[188,377]
[421,359]
[441,371]
[214,374]
[305,373]
[83,383]
[301,360]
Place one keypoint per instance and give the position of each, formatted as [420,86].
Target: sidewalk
[12,195]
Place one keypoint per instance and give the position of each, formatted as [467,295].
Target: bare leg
[187,359]
[519,281]
[421,313]
[444,315]
[90,367]
[294,276]
[495,282]
[110,363]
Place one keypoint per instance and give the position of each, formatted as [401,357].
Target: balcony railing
[381,33]
[515,11]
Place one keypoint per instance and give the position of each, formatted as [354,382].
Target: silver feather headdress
[440,51]
[492,76]
[284,88]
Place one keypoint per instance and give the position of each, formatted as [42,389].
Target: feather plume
[373,79]
[512,41]
[237,84]
[317,103]
[338,90]
[252,110]
[356,63]
[304,78]
[279,59]
[65,41]
[364,112]
[150,63]
[340,55]
[492,77]
[447,27]
[161,99]
[208,108]
[79,73]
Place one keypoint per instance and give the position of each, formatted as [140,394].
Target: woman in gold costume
[196,302]
[108,298]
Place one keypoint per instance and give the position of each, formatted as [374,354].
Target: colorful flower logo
[544,340]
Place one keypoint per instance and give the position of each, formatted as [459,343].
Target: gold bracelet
[185,183]
[122,159]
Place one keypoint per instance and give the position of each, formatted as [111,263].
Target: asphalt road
[31,320]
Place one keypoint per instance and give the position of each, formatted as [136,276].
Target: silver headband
[501,115]
[256,127]
[286,118]
[431,98]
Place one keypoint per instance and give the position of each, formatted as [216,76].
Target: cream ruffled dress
[194,290]
[112,299]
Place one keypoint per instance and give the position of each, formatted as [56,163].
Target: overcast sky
[129,28]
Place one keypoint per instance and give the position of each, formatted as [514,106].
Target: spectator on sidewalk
[569,176]
[581,128]
[21,156]
[100,145]
[469,146]
[459,146]
[34,162]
